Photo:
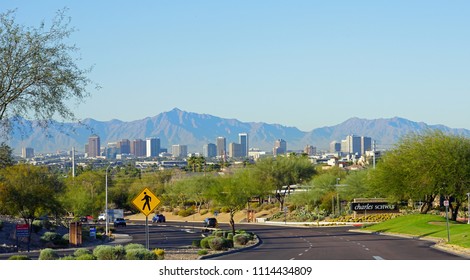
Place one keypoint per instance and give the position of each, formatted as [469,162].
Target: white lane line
[378,258]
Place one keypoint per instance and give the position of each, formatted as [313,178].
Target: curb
[232,251]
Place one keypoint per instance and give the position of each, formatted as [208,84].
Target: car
[119,222]
[86,219]
[102,217]
[211,222]
[158,218]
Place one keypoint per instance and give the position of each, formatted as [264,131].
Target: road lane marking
[378,258]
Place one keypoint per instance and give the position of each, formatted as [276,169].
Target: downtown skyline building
[93,148]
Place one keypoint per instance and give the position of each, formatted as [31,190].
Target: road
[291,243]
[334,243]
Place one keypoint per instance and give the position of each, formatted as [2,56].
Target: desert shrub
[119,252]
[230,236]
[204,212]
[140,254]
[67,258]
[205,242]
[159,253]
[106,252]
[219,243]
[81,251]
[132,246]
[240,239]
[85,257]
[50,237]
[202,252]
[48,254]
[19,257]
[218,233]
[186,212]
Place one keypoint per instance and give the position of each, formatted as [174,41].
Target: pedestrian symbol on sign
[146,202]
[147,199]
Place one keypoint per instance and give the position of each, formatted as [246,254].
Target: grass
[426,226]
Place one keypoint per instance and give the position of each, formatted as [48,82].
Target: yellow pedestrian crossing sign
[146,202]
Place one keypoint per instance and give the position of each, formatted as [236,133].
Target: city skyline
[341,59]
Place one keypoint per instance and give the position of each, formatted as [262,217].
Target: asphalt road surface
[334,243]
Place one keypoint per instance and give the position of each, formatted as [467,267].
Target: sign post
[146,202]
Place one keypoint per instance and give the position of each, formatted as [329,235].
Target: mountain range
[195,130]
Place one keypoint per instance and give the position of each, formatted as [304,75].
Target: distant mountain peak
[195,130]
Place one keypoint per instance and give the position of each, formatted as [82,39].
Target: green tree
[85,193]
[38,73]
[282,172]
[424,166]
[6,155]
[29,192]
[234,191]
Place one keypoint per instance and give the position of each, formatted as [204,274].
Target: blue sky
[307,64]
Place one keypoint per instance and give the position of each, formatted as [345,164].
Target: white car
[102,217]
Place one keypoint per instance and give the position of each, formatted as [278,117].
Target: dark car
[119,222]
[210,222]
[159,218]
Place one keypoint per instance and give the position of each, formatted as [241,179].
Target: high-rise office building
[138,148]
[221,146]
[27,152]
[94,148]
[243,140]
[310,150]
[209,150]
[280,147]
[153,147]
[235,150]
[335,147]
[179,151]
[124,146]
[366,144]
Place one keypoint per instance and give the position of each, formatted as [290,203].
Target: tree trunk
[232,222]
[427,206]
[454,211]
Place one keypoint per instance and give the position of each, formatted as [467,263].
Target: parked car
[119,222]
[211,222]
[158,218]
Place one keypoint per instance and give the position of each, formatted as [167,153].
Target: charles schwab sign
[373,206]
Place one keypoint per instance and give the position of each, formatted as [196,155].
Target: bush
[104,252]
[204,212]
[240,239]
[51,237]
[85,257]
[230,236]
[159,253]
[81,252]
[19,257]
[219,243]
[132,246]
[67,258]
[202,252]
[48,254]
[205,242]
[140,254]
[186,212]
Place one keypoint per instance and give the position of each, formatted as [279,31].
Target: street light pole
[106,201]
[468,207]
